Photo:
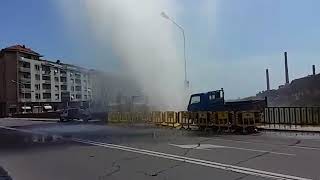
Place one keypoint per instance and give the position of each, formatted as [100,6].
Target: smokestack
[313,70]
[268,82]
[286,67]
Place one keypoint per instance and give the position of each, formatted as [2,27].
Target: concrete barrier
[170,119]
[184,119]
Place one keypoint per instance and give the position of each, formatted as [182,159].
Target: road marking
[260,142]
[206,163]
[211,146]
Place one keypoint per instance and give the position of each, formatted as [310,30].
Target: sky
[229,43]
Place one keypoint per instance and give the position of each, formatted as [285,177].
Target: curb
[289,130]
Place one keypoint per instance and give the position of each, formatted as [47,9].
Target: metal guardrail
[291,116]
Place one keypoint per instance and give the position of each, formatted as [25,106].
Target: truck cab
[207,101]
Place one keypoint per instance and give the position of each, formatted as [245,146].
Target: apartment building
[30,83]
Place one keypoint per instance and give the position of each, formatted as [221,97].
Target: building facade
[30,83]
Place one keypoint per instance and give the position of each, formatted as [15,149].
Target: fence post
[318,115]
[312,117]
[279,115]
[300,115]
[307,115]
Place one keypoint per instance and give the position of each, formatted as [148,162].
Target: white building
[42,85]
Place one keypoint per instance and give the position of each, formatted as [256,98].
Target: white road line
[212,146]
[206,163]
[260,142]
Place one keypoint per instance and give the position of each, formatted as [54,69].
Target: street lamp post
[24,94]
[164,15]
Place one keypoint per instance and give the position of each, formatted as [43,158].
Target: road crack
[241,177]
[251,158]
[157,173]
[295,143]
[116,166]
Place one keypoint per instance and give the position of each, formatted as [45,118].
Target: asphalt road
[31,150]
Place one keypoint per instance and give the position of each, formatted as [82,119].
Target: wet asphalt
[31,150]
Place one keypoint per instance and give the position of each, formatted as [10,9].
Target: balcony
[46,90]
[46,73]
[25,99]
[46,81]
[25,90]
[63,74]
[46,100]
[25,69]
[25,80]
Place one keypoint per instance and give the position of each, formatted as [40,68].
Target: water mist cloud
[144,43]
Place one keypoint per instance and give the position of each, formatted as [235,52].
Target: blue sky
[229,42]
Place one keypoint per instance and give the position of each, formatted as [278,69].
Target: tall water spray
[145,43]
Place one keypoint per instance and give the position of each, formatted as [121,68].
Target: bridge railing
[291,116]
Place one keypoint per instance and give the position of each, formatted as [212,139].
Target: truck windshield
[195,99]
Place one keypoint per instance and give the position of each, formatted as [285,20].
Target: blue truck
[240,115]
[214,101]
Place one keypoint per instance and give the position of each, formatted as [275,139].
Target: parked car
[75,113]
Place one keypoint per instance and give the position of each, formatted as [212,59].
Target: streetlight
[164,15]
[24,94]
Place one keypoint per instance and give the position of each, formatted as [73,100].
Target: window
[195,99]
[63,87]
[27,86]
[25,95]
[72,88]
[85,96]
[56,87]
[72,81]
[24,64]
[78,88]
[56,79]
[37,86]
[78,81]
[26,75]
[78,96]
[77,75]
[56,96]
[46,95]
[38,95]
[47,78]
[46,68]
[37,76]
[214,96]
[63,79]
[46,86]
[37,67]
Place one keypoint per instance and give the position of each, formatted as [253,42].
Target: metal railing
[24,69]
[292,116]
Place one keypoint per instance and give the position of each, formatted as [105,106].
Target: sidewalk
[292,128]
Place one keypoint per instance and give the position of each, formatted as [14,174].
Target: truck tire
[61,119]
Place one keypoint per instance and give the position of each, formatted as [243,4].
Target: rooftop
[21,48]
